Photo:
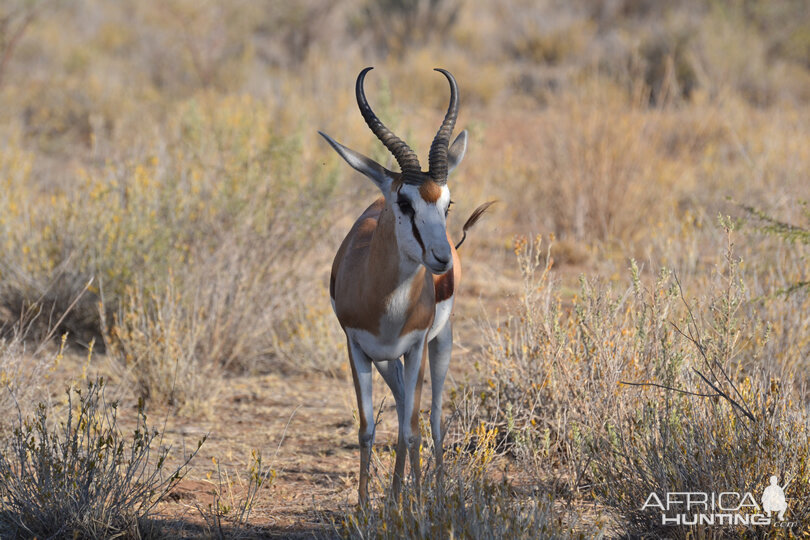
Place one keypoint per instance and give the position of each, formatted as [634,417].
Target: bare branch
[710,364]
[726,396]
[665,387]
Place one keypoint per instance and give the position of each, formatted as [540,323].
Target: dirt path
[304,429]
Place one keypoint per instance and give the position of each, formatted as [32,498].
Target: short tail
[473,219]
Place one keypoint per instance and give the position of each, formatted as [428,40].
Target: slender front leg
[391,371]
[440,349]
[361,373]
[415,360]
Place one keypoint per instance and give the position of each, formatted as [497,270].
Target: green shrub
[84,478]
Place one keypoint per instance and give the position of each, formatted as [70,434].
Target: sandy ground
[305,430]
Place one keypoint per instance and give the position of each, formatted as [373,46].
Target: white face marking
[416,217]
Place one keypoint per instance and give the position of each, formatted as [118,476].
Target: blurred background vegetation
[139,136]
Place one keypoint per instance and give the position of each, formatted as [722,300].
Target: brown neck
[385,264]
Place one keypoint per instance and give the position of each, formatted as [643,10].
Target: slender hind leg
[440,349]
[391,371]
[361,373]
[415,360]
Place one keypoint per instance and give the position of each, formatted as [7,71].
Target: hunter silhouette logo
[773,499]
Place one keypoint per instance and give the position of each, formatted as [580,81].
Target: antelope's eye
[405,206]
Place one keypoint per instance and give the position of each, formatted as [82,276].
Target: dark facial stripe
[416,234]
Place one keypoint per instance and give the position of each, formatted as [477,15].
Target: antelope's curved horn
[438,150]
[407,159]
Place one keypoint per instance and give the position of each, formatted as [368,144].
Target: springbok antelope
[393,280]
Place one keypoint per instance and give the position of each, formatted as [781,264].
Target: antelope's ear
[378,174]
[456,152]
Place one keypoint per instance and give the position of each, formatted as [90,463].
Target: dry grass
[641,389]
[22,367]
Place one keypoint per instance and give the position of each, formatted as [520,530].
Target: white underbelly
[388,344]
[384,347]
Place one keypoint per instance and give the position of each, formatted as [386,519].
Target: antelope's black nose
[439,259]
